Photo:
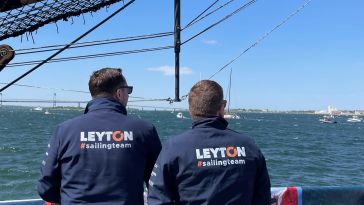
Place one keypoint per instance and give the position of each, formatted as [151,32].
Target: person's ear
[117,94]
[221,110]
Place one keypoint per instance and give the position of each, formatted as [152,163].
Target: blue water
[299,150]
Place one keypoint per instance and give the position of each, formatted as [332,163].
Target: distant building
[330,111]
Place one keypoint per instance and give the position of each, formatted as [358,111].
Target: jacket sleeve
[50,182]
[153,146]
[262,193]
[162,188]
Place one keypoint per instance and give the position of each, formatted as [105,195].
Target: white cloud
[210,42]
[169,70]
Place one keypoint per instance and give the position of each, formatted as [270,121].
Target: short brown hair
[105,82]
[205,99]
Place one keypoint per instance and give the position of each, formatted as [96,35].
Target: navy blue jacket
[101,157]
[210,164]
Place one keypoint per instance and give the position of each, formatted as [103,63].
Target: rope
[64,48]
[138,99]
[82,57]
[47,88]
[220,21]
[91,43]
[196,20]
[263,37]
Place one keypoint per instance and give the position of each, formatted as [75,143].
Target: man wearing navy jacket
[209,164]
[104,156]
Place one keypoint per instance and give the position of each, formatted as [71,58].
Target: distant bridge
[44,101]
[56,102]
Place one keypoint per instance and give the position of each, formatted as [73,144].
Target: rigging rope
[198,16]
[47,88]
[263,37]
[213,25]
[107,41]
[91,43]
[138,99]
[220,21]
[118,40]
[81,57]
[64,48]
[196,20]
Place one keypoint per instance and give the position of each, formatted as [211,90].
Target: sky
[314,60]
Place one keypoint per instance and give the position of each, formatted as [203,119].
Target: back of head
[105,82]
[205,99]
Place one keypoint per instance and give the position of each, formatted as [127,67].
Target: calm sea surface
[299,150]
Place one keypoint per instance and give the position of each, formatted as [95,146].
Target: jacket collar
[105,103]
[215,121]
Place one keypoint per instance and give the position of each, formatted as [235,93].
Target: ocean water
[299,150]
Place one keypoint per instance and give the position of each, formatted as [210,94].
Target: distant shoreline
[155,108]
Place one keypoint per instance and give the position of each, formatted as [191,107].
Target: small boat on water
[37,109]
[180,115]
[355,118]
[330,119]
[47,112]
[231,116]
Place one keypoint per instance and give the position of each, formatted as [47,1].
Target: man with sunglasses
[104,156]
[209,164]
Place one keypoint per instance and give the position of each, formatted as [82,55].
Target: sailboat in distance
[227,114]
